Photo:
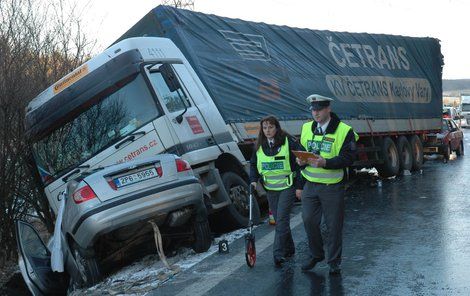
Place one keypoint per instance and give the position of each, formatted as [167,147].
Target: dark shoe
[311,264]
[290,253]
[335,269]
[279,261]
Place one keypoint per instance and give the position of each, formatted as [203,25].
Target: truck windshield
[96,128]
[466,107]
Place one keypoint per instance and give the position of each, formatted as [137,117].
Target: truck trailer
[196,85]
[388,88]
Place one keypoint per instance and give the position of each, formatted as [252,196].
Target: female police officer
[274,165]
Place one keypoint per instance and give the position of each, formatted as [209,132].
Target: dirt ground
[7,271]
[11,281]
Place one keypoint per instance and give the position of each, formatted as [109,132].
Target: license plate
[136,177]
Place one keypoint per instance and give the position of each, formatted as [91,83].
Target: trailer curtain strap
[158,243]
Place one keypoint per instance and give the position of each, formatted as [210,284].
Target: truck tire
[236,215]
[87,264]
[416,152]
[405,154]
[391,164]
[460,151]
[202,236]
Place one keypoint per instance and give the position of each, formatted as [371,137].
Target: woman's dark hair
[279,137]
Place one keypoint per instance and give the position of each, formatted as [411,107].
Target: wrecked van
[106,211]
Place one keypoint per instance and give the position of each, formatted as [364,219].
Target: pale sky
[446,20]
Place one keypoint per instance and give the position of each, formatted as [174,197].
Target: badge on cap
[318,102]
[318,98]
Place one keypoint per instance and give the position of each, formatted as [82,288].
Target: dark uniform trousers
[327,200]
[280,203]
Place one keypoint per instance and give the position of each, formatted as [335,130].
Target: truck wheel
[87,266]
[460,151]
[391,165]
[416,152]
[405,154]
[202,236]
[237,214]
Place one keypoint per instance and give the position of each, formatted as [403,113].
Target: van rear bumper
[127,210]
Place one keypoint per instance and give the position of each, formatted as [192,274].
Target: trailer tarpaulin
[253,69]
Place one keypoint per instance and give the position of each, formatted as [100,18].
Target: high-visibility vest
[275,170]
[327,146]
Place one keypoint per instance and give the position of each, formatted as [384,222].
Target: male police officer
[335,144]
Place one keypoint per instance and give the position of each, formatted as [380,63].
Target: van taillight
[182,165]
[83,193]
[159,171]
[112,184]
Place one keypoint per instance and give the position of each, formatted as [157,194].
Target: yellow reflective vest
[327,146]
[275,170]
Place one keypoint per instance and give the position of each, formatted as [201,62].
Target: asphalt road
[409,236]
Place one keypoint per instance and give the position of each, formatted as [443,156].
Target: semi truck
[388,88]
[196,85]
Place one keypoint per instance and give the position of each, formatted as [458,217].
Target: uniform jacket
[348,151]
[293,145]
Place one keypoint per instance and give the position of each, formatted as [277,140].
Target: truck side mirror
[169,76]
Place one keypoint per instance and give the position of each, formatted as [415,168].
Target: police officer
[273,164]
[323,193]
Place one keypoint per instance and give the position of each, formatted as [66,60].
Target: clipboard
[304,155]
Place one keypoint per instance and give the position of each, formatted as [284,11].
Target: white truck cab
[140,97]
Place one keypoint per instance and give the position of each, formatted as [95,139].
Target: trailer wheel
[405,154]
[417,153]
[460,150]
[236,215]
[391,165]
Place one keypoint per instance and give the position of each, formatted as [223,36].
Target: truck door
[35,263]
[188,124]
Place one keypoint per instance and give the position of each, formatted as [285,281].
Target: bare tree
[40,41]
[187,4]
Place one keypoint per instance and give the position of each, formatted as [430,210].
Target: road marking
[225,270]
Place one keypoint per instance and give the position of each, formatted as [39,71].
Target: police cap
[318,102]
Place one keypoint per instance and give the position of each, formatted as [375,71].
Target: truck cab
[138,98]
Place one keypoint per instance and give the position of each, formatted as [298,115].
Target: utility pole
[187,4]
